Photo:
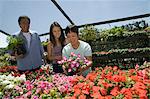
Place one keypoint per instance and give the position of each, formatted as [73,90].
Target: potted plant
[73,64]
[16,45]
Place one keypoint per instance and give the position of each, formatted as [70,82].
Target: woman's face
[72,38]
[56,31]
[24,25]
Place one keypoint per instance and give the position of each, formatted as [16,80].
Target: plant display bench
[133,49]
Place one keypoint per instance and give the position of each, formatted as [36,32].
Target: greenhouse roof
[79,12]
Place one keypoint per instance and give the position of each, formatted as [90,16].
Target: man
[78,47]
[32,59]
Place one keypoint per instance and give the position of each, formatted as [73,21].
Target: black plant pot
[71,73]
[20,49]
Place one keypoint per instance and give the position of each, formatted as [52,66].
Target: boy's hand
[64,69]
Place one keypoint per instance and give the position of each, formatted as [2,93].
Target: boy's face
[73,38]
[24,25]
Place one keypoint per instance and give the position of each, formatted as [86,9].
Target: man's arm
[89,58]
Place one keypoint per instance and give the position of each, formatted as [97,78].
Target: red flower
[91,76]
[73,97]
[96,95]
[127,92]
[142,93]
[117,78]
[77,92]
[103,91]
[109,76]
[115,68]
[139,85]
[95,89]
[108,97]
[115,91]
[82,96]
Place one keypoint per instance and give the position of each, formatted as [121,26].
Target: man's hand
[18,56]
[82,69]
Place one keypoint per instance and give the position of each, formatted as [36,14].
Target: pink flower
[115,68]
[74,62]
[61,89]
[46,91]
[69,70]
[77,64]
[72,54]
[29,93]
[29,87]
[35,97]
[19,88]
[73,65]
[64,58]
[38,90]
[59,62]
[136,67]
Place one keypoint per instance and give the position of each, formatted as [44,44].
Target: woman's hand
[57,58]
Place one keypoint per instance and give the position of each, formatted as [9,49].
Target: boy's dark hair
[72,28]
[23,17]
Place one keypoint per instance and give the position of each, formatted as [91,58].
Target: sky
[43,12]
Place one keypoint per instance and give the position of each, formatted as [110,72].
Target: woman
[55,45]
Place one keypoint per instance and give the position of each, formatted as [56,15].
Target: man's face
[73,38]
[24,25]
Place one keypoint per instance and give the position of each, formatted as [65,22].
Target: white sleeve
[88,50]
[65,53]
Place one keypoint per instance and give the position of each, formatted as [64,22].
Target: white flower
[23,78]
[5,82]
[16,79]
[1,80]
[2,76]
[10,86]
[10,77]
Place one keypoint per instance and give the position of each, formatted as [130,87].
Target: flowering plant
[53,87]
[111,83]
[8,84]
[73,64]
[42,73]
[16,45]
[7,69]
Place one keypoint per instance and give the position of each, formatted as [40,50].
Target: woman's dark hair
[23,17]
[72,28]
[62,36]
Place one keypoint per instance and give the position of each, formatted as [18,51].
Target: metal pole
[4,33]
[60,9]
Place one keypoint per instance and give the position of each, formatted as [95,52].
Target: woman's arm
[49,51]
